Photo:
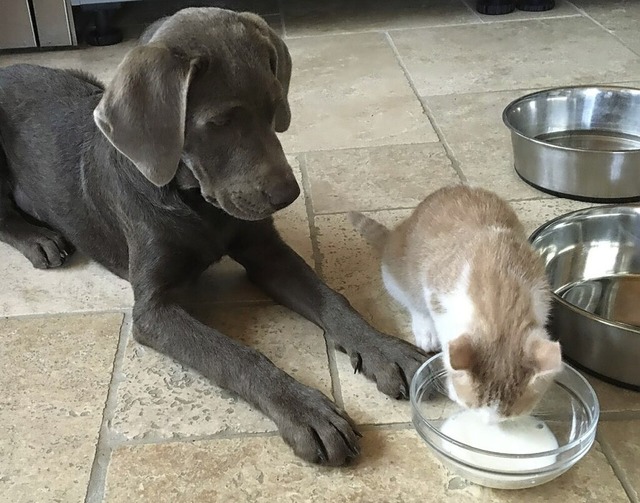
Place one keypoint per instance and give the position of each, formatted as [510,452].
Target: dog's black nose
[283,195]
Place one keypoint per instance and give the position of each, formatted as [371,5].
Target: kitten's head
[502,379]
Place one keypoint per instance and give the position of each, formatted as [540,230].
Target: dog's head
[206,92]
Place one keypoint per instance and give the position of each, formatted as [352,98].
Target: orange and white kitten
[462,266]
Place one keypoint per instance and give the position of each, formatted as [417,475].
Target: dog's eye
[220,120]
[225,117]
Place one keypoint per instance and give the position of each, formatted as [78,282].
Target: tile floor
[390,100]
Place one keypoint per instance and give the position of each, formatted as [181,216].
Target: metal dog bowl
[592,259]
[579,142]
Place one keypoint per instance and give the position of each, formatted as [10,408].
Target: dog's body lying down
[173,166]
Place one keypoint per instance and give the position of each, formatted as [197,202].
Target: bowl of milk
[513,454]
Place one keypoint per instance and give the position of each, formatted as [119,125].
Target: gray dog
[171,167]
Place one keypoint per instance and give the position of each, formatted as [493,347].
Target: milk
[524,435]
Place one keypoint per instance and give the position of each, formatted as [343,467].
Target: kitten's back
[447,229]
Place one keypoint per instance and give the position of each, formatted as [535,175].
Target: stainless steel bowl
[592,259]
[579,142]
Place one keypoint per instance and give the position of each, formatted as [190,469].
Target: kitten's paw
[425,333]
[428,343]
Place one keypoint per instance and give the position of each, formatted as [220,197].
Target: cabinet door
[54,20]
[16,28]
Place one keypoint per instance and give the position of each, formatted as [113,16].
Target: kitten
[462,266]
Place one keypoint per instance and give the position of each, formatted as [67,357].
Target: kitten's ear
[461,353]
[547,356]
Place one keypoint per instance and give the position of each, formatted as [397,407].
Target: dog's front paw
[388,361]
[316,429]
[47,249]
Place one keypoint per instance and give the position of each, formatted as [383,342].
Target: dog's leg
[281,273]
[316,429]
[43,247]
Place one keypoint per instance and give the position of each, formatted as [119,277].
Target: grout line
[362,147]
[382,31]
[98,476]
[618,471]
[620,415]
[598,23]
[336,389]
[196,304]
[479,21]
[429,114]
[412,207]
[473,10]
[361,210]
[223,435]
[336,385]
[385,426]
[522,20]
[308,204]
[528,90]
[29,316]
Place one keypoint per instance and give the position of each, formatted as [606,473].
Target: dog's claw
[390,362]
[356,362]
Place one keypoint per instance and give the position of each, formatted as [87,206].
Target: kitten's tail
[374,232]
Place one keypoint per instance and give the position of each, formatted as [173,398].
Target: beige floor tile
[502,56]
[562,9]
[536,212]
[474,117]
[614,398]
[394,466]
[481,143]
[621,17]
[340,100]
[362,400]
[623,439]
[81,285]
[592,479]
[350,266]
[161,399]
[99,61]
[311,18]
[396,176]
[490,165]
[54,381]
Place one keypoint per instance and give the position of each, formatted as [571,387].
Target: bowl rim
[587,211]
[589,433]
[530,96]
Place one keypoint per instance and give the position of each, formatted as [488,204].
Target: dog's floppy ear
[283,74]
[143,110]
[280,62]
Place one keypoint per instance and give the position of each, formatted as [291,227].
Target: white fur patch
[458,314]
[540,304]
[395,290]
[424,331]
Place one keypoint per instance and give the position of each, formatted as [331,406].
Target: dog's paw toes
[391,363]
[319,432]
[48,250]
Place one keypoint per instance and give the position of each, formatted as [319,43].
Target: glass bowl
[569,409]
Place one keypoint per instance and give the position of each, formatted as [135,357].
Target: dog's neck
[185,178]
